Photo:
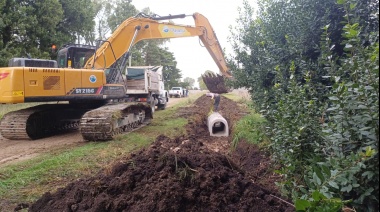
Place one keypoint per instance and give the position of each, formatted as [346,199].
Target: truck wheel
[163,106]
[152,106]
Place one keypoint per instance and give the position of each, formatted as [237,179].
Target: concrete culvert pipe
[217,125]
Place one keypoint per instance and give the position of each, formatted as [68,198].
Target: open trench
[193,172]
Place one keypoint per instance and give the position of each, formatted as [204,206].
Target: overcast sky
[193,60]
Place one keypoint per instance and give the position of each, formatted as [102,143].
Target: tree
[119,11]
[30,27]
[189,81]
[202,85]
[78,22]
[172,74]
[101,25]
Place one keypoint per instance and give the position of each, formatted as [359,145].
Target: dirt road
[13,151]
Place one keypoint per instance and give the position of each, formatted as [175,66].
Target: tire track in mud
[19,150]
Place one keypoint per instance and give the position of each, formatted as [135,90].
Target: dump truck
[89,86]
[147,80]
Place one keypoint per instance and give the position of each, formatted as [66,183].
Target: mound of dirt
[193,172]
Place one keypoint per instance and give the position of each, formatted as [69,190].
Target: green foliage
[189,81]
[119,11]
[319,203]
[172,74]
[336,175]
[30,28]
[312,68]
[250,128]
[354,113]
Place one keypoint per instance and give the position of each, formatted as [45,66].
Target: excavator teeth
[215,83]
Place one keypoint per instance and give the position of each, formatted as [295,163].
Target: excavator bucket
[215,83]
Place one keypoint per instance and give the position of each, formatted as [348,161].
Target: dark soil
[194,172]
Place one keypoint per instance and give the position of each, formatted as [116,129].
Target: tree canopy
[31,27]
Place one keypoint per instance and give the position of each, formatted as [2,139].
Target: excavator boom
[135,29]
[94,95]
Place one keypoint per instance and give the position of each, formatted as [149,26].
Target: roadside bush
[312,68]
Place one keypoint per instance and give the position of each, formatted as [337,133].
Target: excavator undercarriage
[100,124]
[40,121]
[104,123]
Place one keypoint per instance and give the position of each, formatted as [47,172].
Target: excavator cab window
[74,56]
[62,58]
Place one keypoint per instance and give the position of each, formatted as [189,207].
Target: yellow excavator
[87,84]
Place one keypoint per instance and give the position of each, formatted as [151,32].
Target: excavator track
[40,121]
[106,122]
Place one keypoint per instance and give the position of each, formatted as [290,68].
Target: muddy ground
[20,150]
[193,172]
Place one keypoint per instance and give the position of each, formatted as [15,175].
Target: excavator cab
[74,55]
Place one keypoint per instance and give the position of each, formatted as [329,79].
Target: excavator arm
[135,29]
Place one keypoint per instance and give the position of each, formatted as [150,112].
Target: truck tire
[163,106]
[152,105]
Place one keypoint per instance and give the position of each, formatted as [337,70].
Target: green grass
[6,108]
[251,129]
[30,179]
[27,180]
[239,96]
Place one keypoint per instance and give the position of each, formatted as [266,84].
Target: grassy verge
[28,180]
[6,108]
[250,127]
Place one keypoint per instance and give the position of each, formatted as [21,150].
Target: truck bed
[142,80]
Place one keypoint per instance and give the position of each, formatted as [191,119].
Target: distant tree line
[312,67]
